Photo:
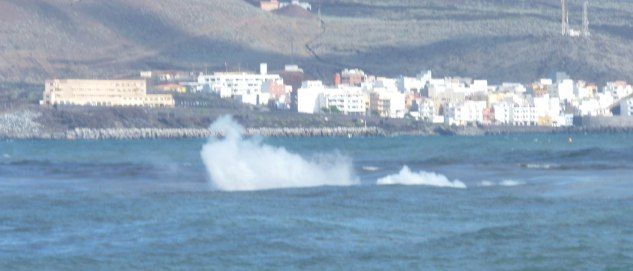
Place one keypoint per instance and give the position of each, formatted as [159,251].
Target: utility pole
[292,50]
[564,18]
[585,19]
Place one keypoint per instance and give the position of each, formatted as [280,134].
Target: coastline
[128,124]
[189,133]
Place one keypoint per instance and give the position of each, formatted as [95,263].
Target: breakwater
[28,124]
[155,133]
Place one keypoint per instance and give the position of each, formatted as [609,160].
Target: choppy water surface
[502,202]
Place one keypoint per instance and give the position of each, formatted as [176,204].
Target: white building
[524,115]
[446,91]
[243,86]
[512,88]
[477,87]
[347,100]
[304,5]
[410,84]
[385,99]
[427,110]
[313,97]
[565,90]
[618,90]
[626,107]
[465,113]
[503,113]
[388,104]
[308,97]
[547,109]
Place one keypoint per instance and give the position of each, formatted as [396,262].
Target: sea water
[478,203]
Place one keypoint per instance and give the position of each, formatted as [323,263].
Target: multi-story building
[524,115]
[618,90]
[269,5]
[303,5]
[349,101]
[353,77]
[547,109]
[243,86]
[314,97]
[427,110]
[626,107]
[466,112]
[502,113]
[387,104]
[103,93]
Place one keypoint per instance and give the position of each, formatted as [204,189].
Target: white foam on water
[407,177]
[507,183]
[540,166]
[235,163]
[510,183]
[370,168]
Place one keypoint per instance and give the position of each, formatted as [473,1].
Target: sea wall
[154,133]
[28,124]
[604,122]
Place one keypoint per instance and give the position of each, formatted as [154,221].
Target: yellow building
[171,88]
[103,93]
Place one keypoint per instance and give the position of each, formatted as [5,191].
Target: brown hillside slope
[45,38]
[501,40]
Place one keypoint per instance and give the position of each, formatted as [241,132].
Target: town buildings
[272,5]
[102,93]
[626,107]
[269,5]
[448,100]
[314,97]
[242,86]
[466,101]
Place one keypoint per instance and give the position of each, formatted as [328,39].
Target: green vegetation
[19,94]
[331,110]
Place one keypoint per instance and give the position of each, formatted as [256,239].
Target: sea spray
[407,177]
[510,183]
[235,163]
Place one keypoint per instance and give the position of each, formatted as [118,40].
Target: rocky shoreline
[184,133]
[28,125]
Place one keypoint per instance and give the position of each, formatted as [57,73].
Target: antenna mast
[585,19]
[564,18]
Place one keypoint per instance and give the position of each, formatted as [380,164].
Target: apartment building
[243,86]
[102,93]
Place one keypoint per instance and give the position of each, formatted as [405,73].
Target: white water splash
[235,163]
[406,177]
[510,183]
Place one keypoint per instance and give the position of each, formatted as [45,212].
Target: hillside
[501,40]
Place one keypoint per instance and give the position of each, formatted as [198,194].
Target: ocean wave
[539,166]
[235,163]
[510,183]
[580,154]
[578,166]
[407,177]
